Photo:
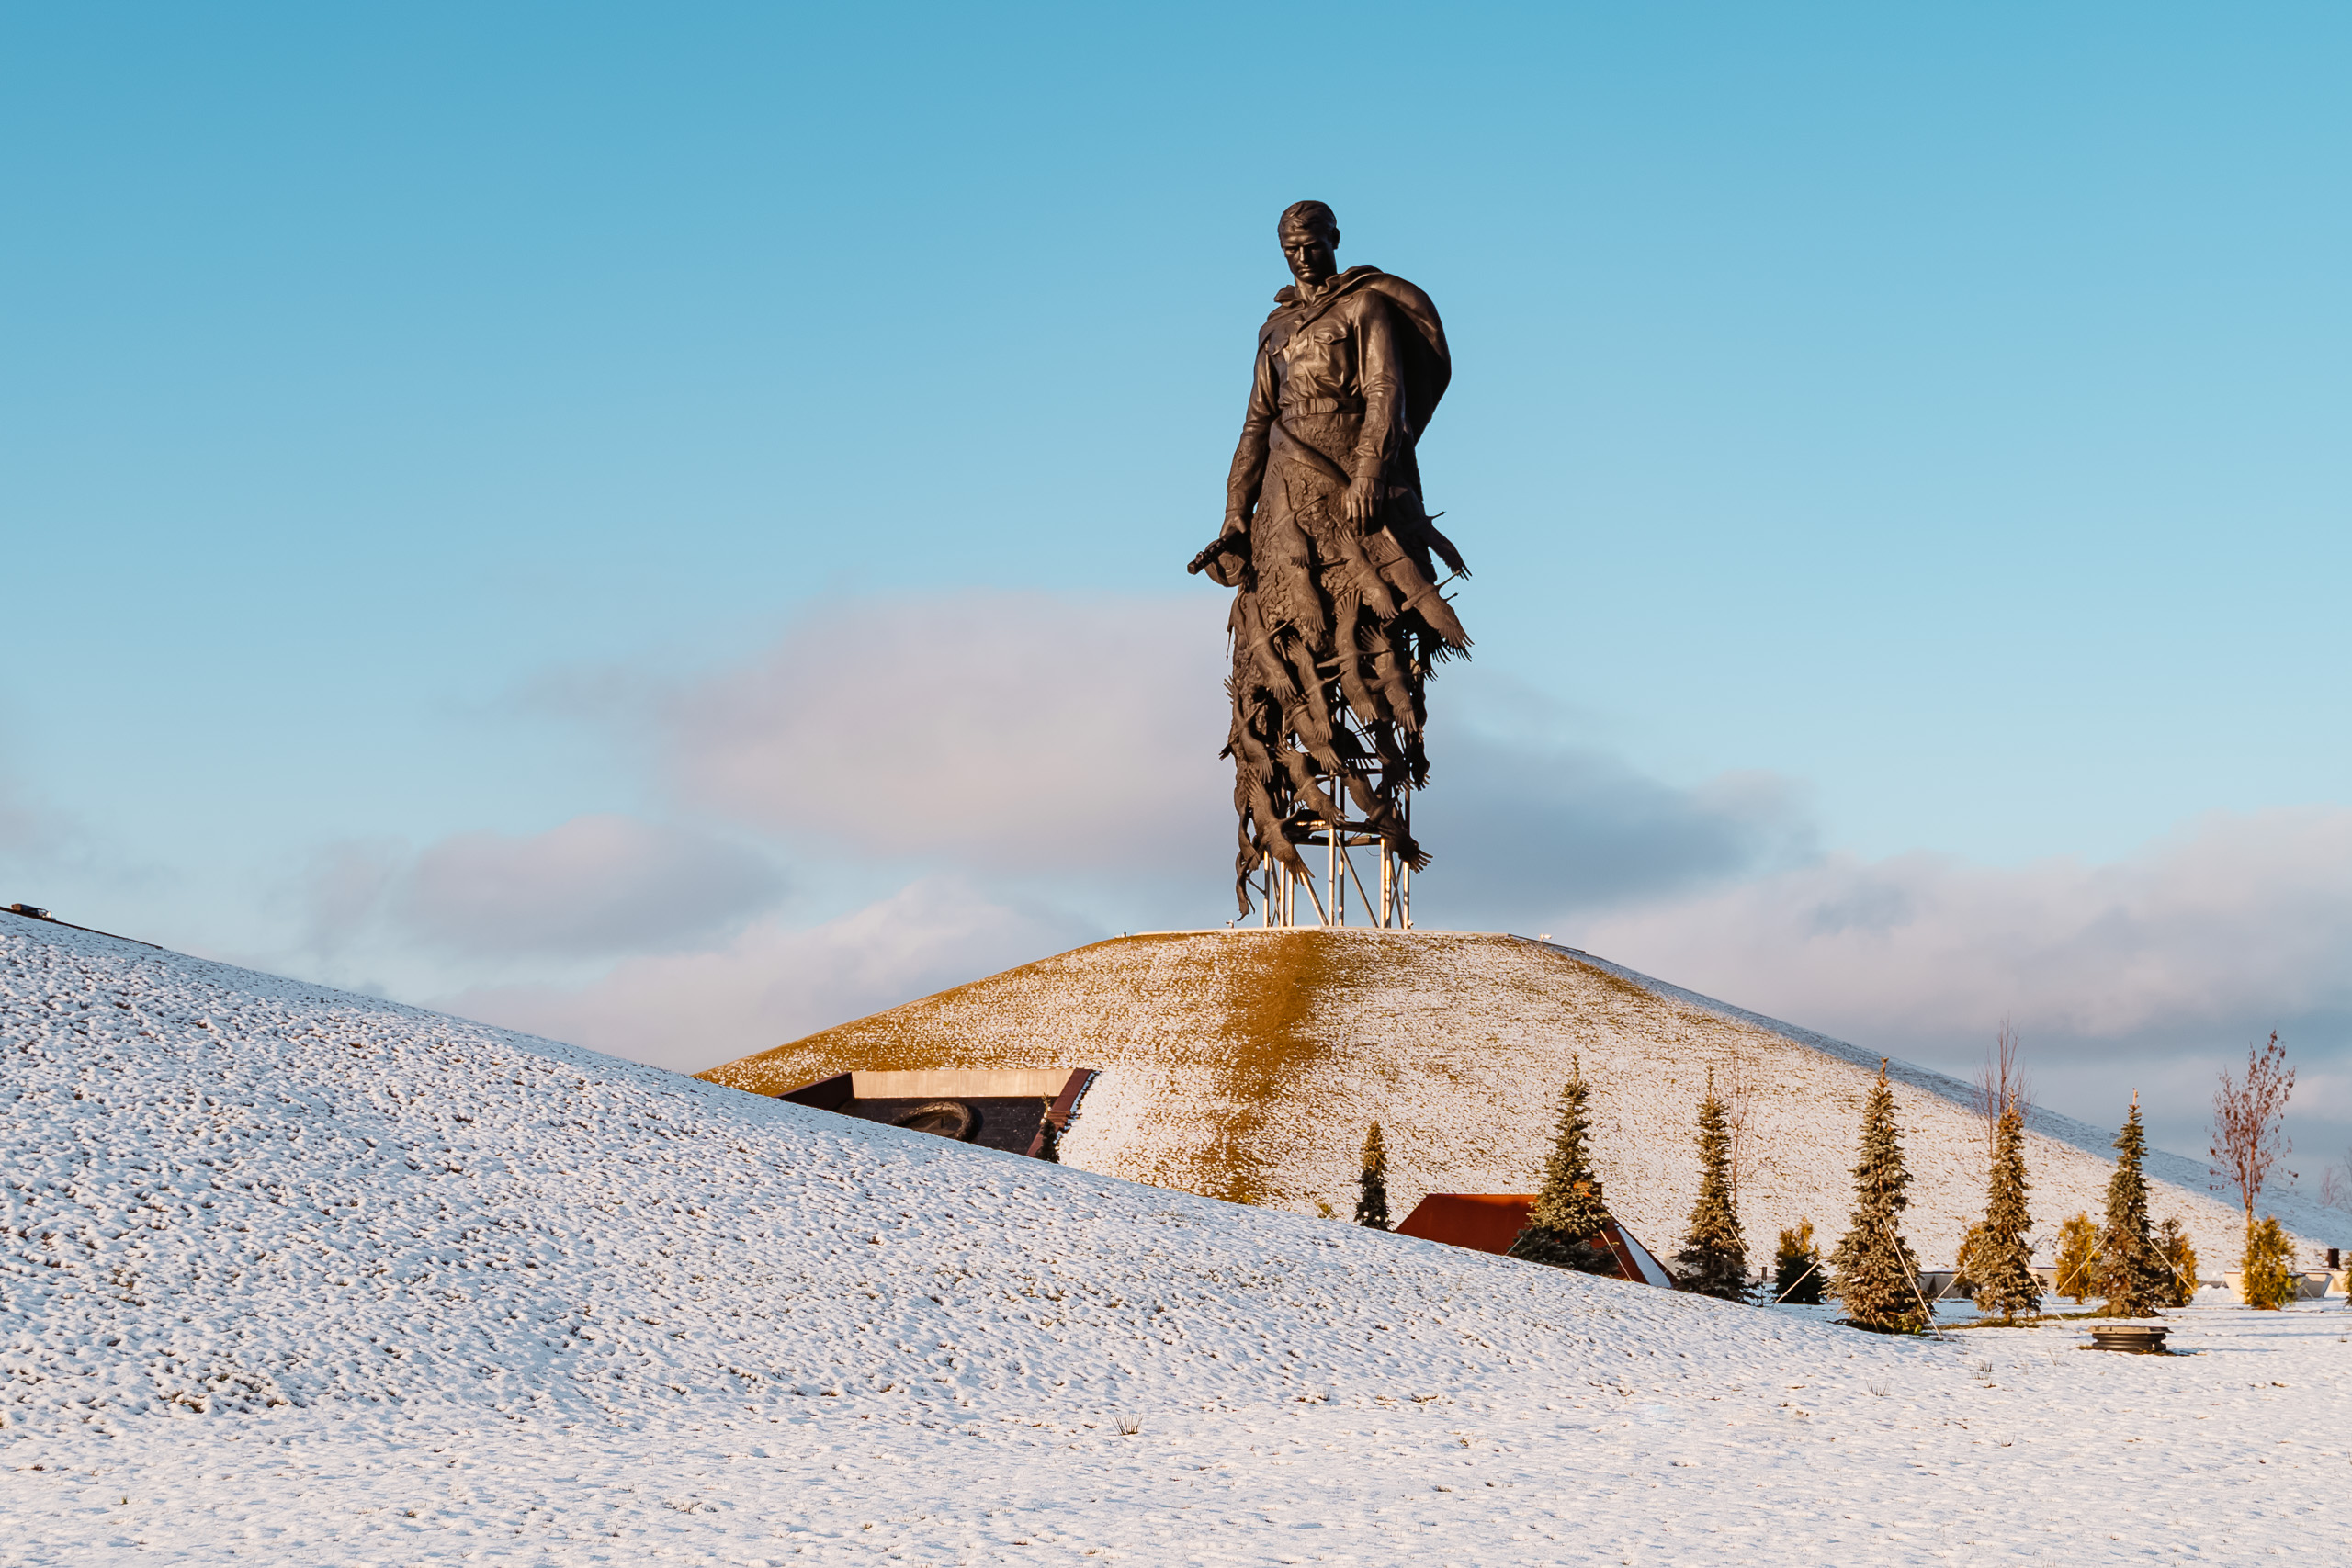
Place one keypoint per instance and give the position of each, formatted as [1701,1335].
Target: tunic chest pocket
[1326,343]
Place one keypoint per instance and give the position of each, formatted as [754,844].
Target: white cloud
[595,886]
[58,860]
[771,983]
[2237,917]
[37,841]
[1066,737]
[22,828]
[2163,964]
[1069,745]
[1007,731]
[1524,832]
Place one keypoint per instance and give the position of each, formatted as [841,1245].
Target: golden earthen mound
[1246,1064]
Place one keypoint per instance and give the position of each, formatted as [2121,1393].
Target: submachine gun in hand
[1224,543]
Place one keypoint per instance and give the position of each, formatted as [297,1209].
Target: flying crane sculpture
[1337,617]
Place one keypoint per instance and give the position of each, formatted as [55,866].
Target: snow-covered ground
[295,1275]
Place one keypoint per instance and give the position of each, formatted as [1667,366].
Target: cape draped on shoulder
[1428,362]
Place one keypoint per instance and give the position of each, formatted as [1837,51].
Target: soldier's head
[1310,239]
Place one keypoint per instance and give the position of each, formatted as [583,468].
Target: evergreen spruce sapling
[1997,1258]
[1715,1259]
[2077,1259]
[1563,1225]
[1973,1242]
[2269,1283]
[2180,1262]
[1796,1267]
[2132,1275]
[1878,1277]
[1372,1182]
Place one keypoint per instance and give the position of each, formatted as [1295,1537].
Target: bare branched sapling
[2249,1135]
[2336,1184]
[1738,1098]
[2001,1088]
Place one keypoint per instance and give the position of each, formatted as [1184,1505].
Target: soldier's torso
[1315,370]
[1317,366]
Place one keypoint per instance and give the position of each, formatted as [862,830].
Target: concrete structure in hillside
[1246,1064]
[1012,1109]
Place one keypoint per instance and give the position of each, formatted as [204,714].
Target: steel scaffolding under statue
[1388,907]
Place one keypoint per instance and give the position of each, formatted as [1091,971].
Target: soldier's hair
[1310,215]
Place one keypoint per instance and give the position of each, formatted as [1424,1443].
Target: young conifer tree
[2077,1259]
[2269,1283]
[1998,1259]
[1563,1228]
[2180,1262]
[1796,1267]
[2132,1276]
[1714,1258]
[1971,1242]
[1878,1277]
[1372,1182]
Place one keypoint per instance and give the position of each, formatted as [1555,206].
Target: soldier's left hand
[1363,501]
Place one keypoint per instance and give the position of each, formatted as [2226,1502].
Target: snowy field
[294,1276]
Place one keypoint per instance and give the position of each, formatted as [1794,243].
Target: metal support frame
[1278,888]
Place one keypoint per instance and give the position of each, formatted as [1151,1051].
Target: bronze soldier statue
[1338,619]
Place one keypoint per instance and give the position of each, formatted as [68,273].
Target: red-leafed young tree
[2249,1131]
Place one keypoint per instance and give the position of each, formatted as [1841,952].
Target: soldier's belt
[1324,405]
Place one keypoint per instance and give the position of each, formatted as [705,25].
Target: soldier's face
[1309,253]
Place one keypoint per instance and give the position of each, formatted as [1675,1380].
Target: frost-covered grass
[296,1275]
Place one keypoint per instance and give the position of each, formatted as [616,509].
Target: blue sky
[1884,441]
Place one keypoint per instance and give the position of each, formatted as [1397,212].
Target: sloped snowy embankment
[298,1276]
[226,1189]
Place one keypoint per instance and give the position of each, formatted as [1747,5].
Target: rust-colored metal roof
[1483,1222]
[1490,1221]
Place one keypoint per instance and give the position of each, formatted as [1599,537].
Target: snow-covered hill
[1246,1064]
[293,1276]
[227,1189]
